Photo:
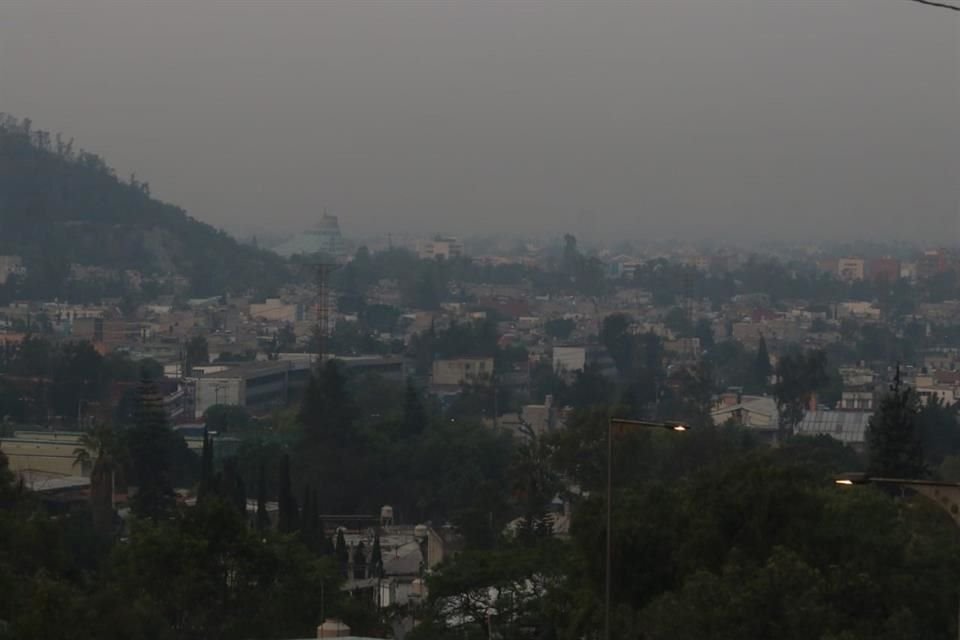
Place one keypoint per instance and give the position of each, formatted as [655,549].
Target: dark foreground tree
[288,513]
[151,444]
[893,435]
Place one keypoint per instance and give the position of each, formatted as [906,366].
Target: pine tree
[327,411]
[893,435]
[263,518]
[360,561]
[151,446]
[288,516]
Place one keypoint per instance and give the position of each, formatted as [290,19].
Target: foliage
[288,510]
[225,418]
[153,447]
[197,352]
[103,452]
[762,368]
[68,380]
[799,376]
[559,328]
[893,435]
[60,205]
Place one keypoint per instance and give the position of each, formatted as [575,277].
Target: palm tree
[100,450]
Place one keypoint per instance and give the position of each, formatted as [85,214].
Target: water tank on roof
[420,532]
[333,629]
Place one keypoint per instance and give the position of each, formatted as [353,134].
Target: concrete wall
[51,453]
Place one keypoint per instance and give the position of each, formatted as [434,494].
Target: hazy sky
[733,118]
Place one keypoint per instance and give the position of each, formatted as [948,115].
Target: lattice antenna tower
[322,272]
[689,282]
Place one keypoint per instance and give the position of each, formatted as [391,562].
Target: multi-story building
[456,371]
[258,386]
[857,400]
[884,269]
[440,247]
[850,269]
[932,262]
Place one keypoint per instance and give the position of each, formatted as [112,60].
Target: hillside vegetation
[61,206]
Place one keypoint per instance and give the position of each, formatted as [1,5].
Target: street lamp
[621,426]
[945,494]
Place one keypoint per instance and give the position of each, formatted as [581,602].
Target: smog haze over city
[480,320]
[711,119]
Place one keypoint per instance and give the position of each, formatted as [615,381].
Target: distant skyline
[734,119]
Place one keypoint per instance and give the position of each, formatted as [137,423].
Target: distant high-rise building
[931,263]
[884,269]
[325,239]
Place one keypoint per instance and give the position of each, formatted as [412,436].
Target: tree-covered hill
[61,206]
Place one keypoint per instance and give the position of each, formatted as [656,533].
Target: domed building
[324,238]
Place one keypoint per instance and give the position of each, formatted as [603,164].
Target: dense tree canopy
[61,205]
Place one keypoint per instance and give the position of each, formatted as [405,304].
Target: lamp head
[850,479]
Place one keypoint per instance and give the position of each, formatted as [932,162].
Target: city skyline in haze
[722,119]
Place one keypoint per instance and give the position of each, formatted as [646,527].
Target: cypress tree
[205,488]
[341,552]
[307,531]
[232,488]
[263,518]
[376,557]
[360,561]
[288,510]
[324,546]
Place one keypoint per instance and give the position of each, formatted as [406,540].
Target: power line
[942,5]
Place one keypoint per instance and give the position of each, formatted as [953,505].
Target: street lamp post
[621,426]
[945,494]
